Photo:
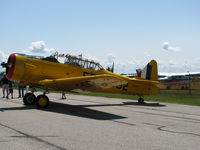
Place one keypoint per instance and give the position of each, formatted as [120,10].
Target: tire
[140,100]
[29,99]
[42,101]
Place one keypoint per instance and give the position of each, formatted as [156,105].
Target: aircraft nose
[10,66]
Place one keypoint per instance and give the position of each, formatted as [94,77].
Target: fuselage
[29,71]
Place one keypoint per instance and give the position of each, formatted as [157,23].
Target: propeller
[6,65]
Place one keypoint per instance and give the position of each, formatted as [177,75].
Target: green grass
[185,99]
[179,98]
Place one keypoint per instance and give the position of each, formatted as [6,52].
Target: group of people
[7,87]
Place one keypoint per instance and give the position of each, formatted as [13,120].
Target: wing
[83,83]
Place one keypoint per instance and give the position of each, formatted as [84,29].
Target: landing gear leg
[140,100]
[46,91]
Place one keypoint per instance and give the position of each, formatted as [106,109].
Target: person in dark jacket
[5,86]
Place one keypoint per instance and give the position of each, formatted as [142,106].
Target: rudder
[150,71]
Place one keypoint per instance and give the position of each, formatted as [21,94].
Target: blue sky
[129,32]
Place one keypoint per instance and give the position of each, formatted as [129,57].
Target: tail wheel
[29,99]
[141,100]
[42,101]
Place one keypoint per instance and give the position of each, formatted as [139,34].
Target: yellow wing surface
[102,83]
[85,83]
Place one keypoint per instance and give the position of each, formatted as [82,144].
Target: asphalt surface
[95,123]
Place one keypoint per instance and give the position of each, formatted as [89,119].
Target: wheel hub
[42,101]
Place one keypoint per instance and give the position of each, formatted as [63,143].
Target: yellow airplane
[77,75]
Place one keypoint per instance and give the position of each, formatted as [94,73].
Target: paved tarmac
[95,123]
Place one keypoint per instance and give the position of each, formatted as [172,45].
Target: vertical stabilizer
[150,71]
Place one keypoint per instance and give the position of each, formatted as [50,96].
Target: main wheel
[42,101]
[29,99]
[141,100]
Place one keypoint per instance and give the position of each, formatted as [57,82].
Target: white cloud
[121,65]
[166,46]
[89,57]
[40,47]
[197,59]
[3,56]
[110,58]
[173,66]
[147,54]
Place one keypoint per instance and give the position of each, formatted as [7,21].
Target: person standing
[63,95]
[20,90]
[5,86]
[27,87]
[11,89]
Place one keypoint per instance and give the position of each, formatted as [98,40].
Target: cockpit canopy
[84,63]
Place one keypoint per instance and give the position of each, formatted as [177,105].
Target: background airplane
[178,80]
[77,75]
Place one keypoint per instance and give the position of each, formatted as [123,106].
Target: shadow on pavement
[67,109]
[125,104]
[81,111]
[144,104]
[16,108]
